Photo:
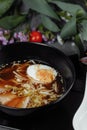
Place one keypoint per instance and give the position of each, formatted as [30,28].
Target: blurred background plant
[56,20]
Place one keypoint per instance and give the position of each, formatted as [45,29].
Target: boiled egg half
[42,73]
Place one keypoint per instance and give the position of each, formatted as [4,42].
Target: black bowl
[44,53]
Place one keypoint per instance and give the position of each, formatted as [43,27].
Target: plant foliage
[57,16]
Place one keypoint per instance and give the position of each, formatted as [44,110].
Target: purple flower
[21,37]
[3,40]
[15,35]
[11,41]
[44,38]
[1,33]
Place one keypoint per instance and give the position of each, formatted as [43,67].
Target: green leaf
[79,44]
[49,24]
[84,30]
[69,28]
[10,22]
[69,7]
[5,5]
[42,7]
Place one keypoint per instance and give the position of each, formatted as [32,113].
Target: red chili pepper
[35,36]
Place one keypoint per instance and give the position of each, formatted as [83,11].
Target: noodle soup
[29,84]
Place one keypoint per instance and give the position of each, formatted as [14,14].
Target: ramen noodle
[20,90]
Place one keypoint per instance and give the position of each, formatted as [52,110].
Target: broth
[19,90]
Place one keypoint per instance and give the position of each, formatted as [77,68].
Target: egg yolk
[45,75]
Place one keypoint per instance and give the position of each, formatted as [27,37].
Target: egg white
[33,69]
